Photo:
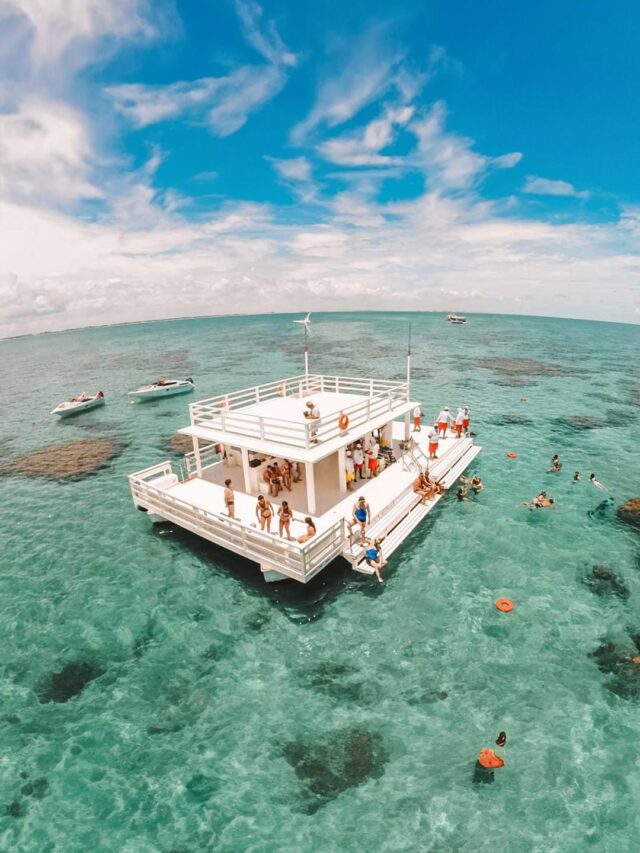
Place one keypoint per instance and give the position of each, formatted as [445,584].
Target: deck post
[342,470]
[246,470]
[407,427]
[311,488]
[197,457]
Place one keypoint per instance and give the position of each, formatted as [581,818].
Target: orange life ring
[512,455]
[505,605]
[489,759]
[635,660]
[343,421]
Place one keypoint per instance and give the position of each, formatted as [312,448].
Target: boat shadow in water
[298,602]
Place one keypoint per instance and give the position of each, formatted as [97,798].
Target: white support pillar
[342,470]
[196,453]
[407,426]
[246,470]
[311,488]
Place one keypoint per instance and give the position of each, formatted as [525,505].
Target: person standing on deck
[417,419]
[444,421]
[459,423]
[285,515]
[349,468]
[358,461]
[467,419]
[229,499]
[312,413]
[372,455]
[286,474]
[361,516]
[434,440]
[264,513]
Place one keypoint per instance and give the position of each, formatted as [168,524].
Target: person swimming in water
[541,501]
[596,483]
[490,760]
[576,477]
[556,465]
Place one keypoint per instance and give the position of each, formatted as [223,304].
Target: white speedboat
[81,403]
[163,388]
[456,318]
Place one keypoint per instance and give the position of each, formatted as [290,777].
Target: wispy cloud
[223,103]
[448,159]
[363,147]
[292,169]
[545,186]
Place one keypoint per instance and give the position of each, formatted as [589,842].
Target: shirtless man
[423,488]
[264,513]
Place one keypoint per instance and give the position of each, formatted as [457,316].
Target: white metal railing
[209,455]
[228,412]
[298,561]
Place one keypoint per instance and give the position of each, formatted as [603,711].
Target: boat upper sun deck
[270,416]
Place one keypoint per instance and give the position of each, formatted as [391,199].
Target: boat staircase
[399,518]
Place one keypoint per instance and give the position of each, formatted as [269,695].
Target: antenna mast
[409,365]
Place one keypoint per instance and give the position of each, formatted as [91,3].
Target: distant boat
[81,403]
[456,318]
[163,388]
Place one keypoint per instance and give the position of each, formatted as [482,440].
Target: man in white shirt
[434,439]
[444,421]
[312,413]
[459,422]
[372,455]
[358,461]
[417,419]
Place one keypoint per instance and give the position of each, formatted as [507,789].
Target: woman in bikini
[286,474]
[311,530]
[264,513]
[229,499]
[285,515]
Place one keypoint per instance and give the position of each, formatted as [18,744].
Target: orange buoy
[505,605]
[512,455]
[343,421]
[635,660]
[489,759]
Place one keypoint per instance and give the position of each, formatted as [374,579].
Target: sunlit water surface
[220,713]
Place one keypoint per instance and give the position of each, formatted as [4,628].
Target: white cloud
[544,186]
[224,103]
[293,169]
[45,154]
[448,159]
[363,147]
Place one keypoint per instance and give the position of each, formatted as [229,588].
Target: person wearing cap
[444,421]
[466,420]
[459,421]
[349,468]
[417,419]
[372,459]
[312,413]
[358,461]
[434,439]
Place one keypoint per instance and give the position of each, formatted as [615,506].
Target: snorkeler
[576,477]
[596,483]
[541,501]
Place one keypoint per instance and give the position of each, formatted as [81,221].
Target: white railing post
[337,384]
[322,383]
[257,393]
[307,440]
[390,400]
[261,422]
[371,387]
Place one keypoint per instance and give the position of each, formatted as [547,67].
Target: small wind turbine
[306,323]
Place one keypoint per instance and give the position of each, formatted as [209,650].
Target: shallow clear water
[215,687]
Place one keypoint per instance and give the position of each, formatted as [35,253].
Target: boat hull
[76,408]
[160,391]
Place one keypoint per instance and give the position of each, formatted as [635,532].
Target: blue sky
[167,159]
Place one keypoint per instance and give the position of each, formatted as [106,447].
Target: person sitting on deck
[285,515]
[312,413]
[264,513]
[444,421]
[423,488]
[373,557]
[311,530]
[436,485]
[361,516]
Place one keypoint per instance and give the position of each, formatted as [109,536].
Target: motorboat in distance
[456,318]
[81,403]
[163,388]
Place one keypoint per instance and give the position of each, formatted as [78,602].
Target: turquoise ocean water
[223,714]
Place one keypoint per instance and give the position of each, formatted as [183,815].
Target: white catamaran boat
[163,388]
[456,318]
[236,435]
[81,403]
